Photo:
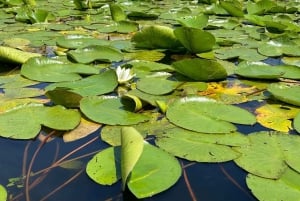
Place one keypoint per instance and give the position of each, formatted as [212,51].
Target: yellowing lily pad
[275,116]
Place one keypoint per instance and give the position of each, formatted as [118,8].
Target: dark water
[208,181]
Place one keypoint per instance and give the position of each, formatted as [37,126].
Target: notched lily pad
[93,53]
[205,115]
[110,110]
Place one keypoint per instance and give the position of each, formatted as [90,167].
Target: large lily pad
[93,85]
[256,158]
[200,147]
[156,37]
[206,115]
[285,188]
[285,93]
[195,40]
[153,172]
[109,110]
[200,69]
[95,53]
[24,122]
[50,70]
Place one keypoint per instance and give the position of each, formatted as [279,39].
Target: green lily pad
[258,70]
[12,55]
[290,72]
[205,115]
[156,85]
[3,193]
[132,144]
[198,21]
[155,171]
[15,81]
[256,158]
[285,93]
[234,7]
[285,188]
[95,53]
[200,147]
[90,86]
[117,13]
[105,167]
[79,41]
[297,123]
[200,69]
[62,96]
[110,110]
[50,70]
[195,40]
[24,122]
[22,93]
[156,37]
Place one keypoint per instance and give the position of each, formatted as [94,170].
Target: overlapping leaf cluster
[184,77]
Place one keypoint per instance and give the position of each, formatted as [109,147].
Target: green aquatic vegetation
[175,72]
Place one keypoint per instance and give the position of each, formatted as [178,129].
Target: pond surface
[219,71]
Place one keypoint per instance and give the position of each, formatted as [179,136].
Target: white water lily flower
[124,74]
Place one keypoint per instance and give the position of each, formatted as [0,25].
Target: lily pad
[93,85]
[285,93]
[50,70]
[297,123]
[200,69]
[95,53]
[275,116]
[200,147]
[79,41]
[156,86]
[24,122]
[156,37]
[285,188]
[110,110]
[205,115]
[12,55]
[197,21]
[259,71]
[155,171]
[195,40]
[256,158]
[3,193]
[132,144]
